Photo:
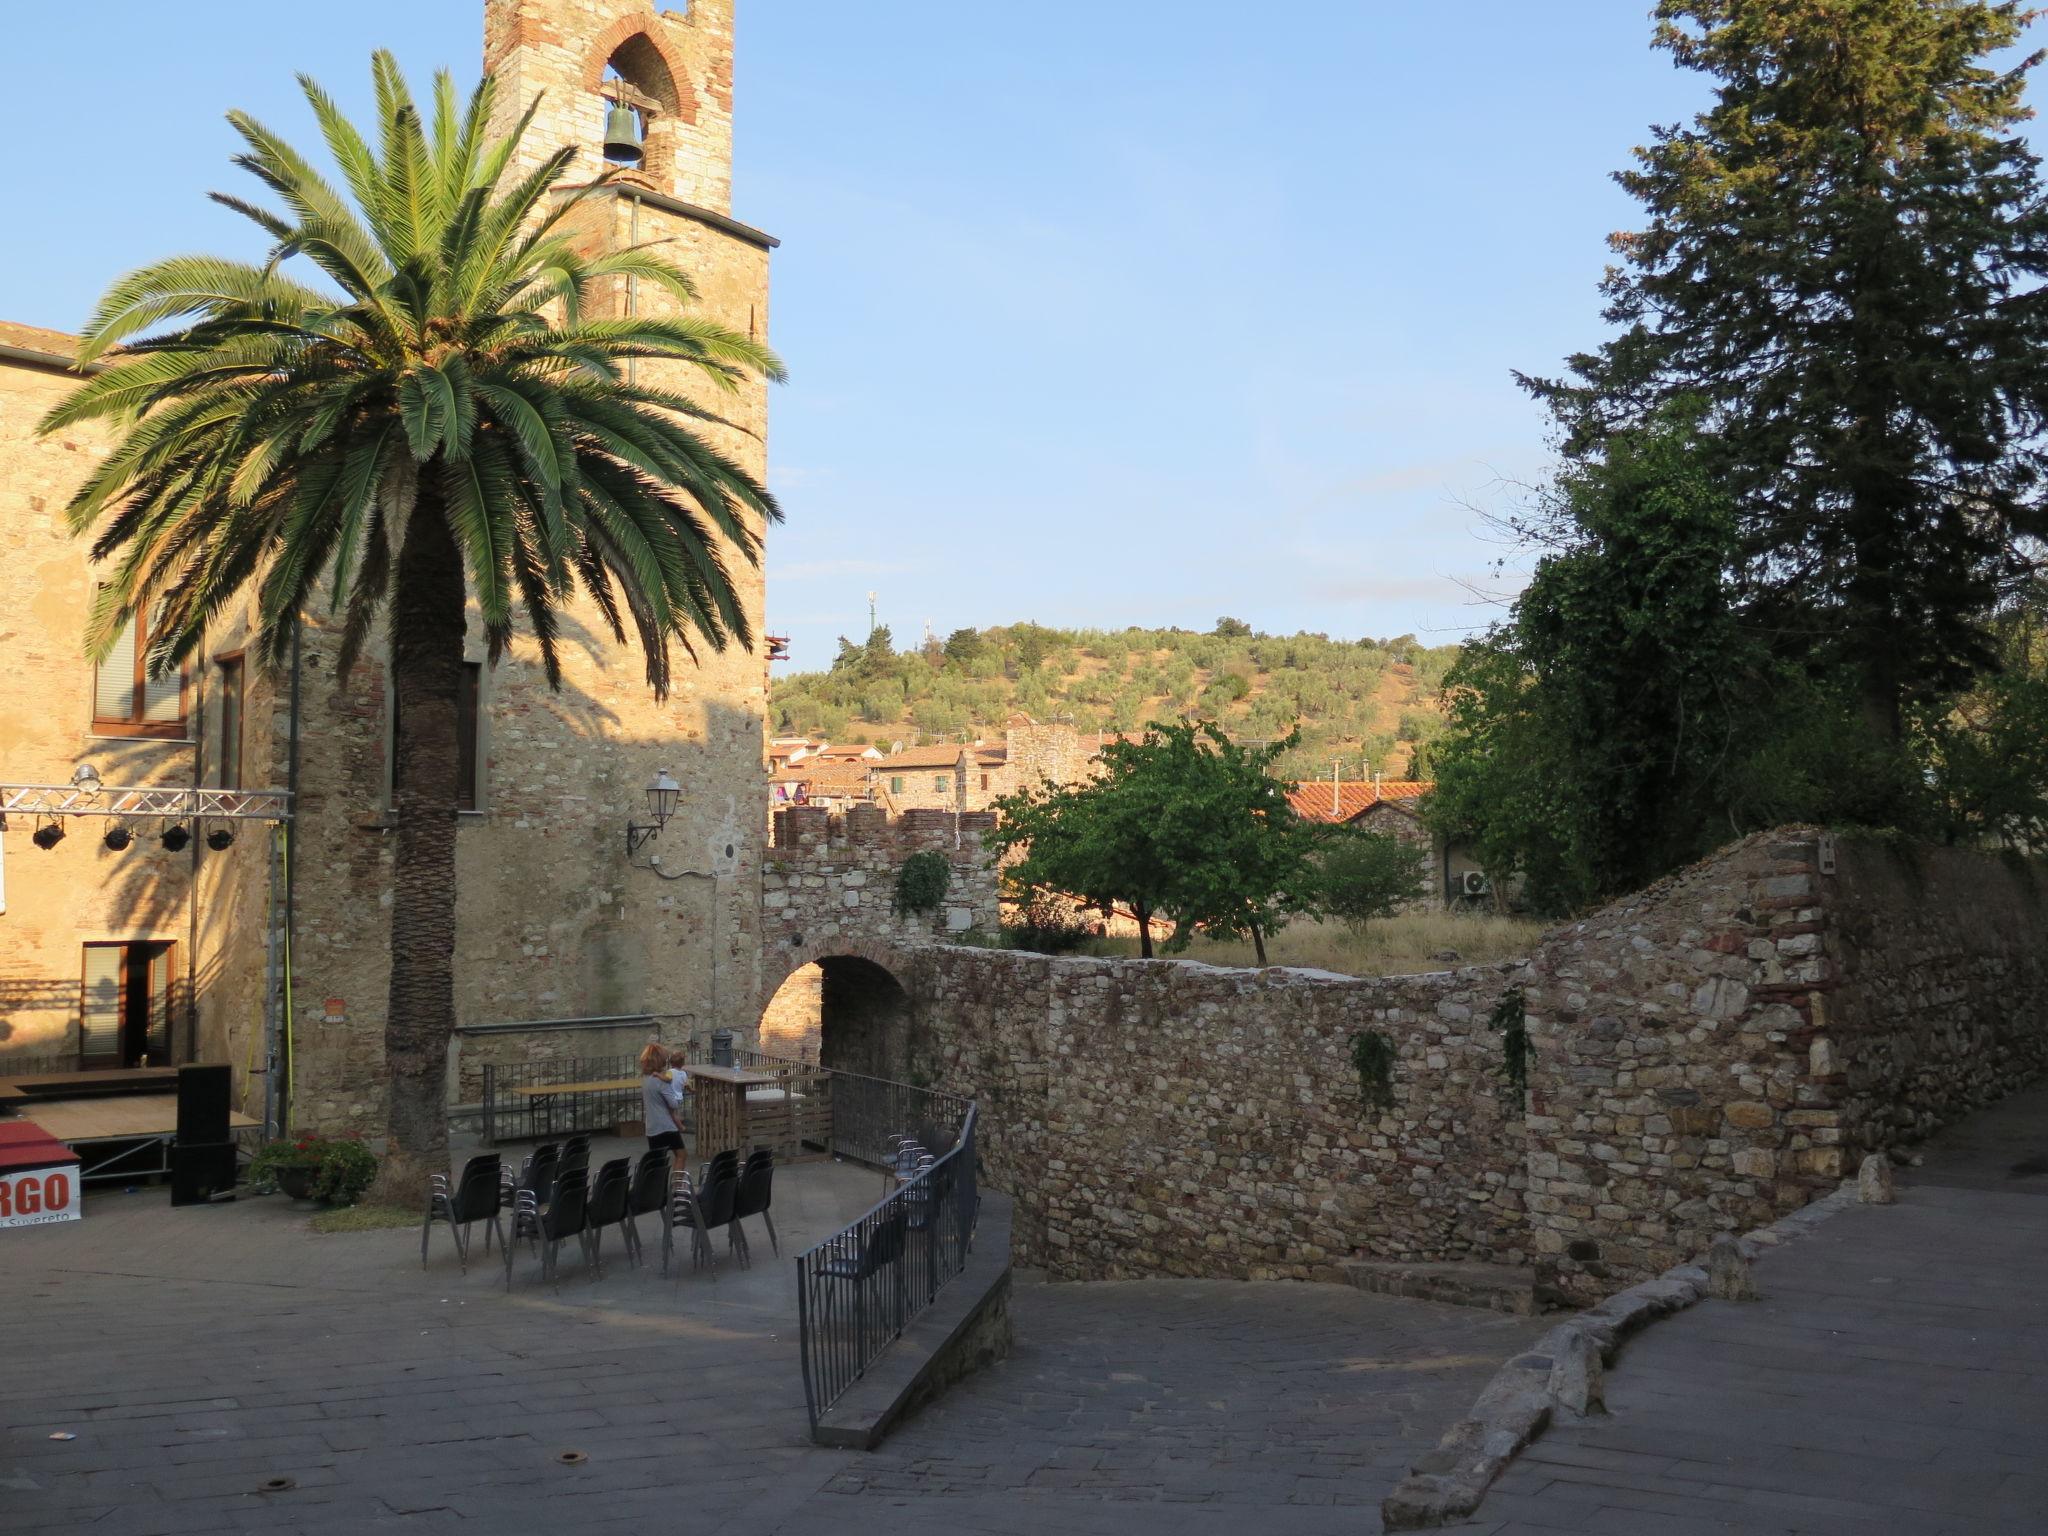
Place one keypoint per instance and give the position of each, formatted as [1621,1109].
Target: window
[230,721]
[984,781]
[896,784]
[468,717]
[941,782]
[125,1010]
[127,703]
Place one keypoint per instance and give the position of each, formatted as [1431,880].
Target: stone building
[556,921]
[1393,807]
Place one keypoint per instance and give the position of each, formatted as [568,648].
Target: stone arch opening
[846,1012]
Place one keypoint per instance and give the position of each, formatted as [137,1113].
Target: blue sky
[1131,313]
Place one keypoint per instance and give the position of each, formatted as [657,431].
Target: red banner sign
[38,1196]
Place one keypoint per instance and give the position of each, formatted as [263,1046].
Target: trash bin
[721,1047]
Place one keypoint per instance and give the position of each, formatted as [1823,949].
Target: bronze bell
[622,135]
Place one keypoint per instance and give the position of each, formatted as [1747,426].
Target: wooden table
[544,1094]
[721,1095]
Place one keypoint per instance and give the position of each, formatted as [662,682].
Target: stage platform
[122,1137]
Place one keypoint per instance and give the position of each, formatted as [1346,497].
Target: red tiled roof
[1313,800]
[825,778]
[944,755]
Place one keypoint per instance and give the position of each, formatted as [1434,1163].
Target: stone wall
[1722,1047]
[1170,1118]
[829,888]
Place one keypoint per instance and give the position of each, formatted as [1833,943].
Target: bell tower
[672,69]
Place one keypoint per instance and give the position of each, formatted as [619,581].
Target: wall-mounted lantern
[662,795]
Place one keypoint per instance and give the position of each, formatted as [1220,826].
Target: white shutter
[100,1024]
[158,1041]
[163,698]
[113,695]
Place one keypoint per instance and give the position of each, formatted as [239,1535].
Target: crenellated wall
[828,887]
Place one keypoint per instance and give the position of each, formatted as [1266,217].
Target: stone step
[1507,1288]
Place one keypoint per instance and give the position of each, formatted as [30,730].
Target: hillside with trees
[1371,703]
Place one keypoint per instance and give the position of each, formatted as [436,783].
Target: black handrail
[861,1287]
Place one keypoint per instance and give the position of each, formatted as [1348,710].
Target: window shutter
[100,1024]
[163,698]
[159,1037]
[113,695]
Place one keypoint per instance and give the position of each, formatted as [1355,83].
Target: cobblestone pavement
[1892,1381]
[197,1355]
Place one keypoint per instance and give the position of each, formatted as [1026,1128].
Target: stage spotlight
[49,834]
[220,839]
[176,838]
[117,838]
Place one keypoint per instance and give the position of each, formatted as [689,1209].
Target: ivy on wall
[1372,1053]
[1510,1021]
[922,881]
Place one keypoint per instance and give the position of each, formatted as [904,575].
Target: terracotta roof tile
[1313,799]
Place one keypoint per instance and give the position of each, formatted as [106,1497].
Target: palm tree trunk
[428,620]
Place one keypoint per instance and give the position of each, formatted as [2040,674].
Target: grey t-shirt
[656,1105]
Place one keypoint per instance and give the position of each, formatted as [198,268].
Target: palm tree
[437,423]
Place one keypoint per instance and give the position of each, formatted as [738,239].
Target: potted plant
[332,1170]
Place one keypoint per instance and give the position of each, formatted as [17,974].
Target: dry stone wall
[1722,1047]
[1169,1118]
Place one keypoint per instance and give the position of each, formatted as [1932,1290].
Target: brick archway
[678,99]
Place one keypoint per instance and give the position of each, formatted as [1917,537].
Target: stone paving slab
[1889,1382]
[198,1353]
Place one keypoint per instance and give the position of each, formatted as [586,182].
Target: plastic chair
[477,1196]
[564,1217]
[756,1191]
[606,1208]
[649,1194]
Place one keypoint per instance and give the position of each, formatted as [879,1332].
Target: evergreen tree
[1843,261]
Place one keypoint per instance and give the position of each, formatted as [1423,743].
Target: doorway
[125,1012]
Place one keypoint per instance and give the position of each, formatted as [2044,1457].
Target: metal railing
[861,1287]
[516,1102]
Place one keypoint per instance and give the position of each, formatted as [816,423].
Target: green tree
[1183,823]
[1367,875]
[1591,736]
[1843,262]
[430,420]
[1232,629]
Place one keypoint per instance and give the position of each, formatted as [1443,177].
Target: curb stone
[1560,1375]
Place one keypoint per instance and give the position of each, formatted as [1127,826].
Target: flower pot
[298,1183]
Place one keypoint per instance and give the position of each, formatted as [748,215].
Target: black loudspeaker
[199,1172]
[203,1094]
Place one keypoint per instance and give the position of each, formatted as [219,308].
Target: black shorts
[667,1141]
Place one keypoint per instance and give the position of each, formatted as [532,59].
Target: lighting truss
[163,803]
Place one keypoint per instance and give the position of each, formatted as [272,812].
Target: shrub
[922,881]
[342,1167]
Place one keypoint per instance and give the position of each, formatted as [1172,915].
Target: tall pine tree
[1843,260]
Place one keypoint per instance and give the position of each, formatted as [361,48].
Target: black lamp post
[662,795]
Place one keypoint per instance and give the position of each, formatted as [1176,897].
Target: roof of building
[940,755]
[1319,800]
[821,776]
[34,338]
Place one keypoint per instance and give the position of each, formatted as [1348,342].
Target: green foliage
[1232,629]
[342,1168]
[922,881]
[1330,692]
[1183,824]
[1510,1020]
[437,364]
[1372,1057]
[1838,265]
[1367,875]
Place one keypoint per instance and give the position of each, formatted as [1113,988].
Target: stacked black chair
[609,1195]
[756,1191]
[477,1196]
[648,1196]
[880,1247]
[703,1208]
[564,1218]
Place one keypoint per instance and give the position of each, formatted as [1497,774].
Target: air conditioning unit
[1474,883]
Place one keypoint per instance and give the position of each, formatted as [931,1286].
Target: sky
[1126,313]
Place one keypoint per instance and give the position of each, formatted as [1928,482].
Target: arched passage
[848,1012]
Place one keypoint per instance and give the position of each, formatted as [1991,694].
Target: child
[679,1084]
